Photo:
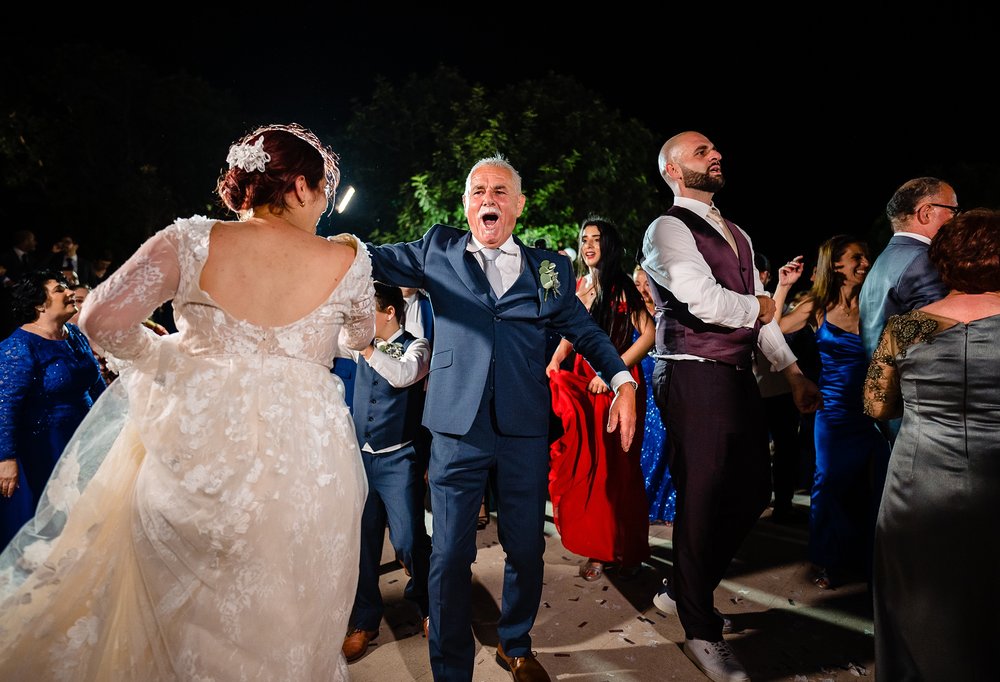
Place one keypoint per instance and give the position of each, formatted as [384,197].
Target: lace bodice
[217,486]
[168,266]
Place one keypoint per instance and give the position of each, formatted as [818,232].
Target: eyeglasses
[955,210]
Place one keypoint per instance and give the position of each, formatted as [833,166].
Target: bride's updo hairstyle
[264,164]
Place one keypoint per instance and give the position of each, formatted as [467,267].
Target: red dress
[597,489]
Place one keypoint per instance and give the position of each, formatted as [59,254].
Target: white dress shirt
[400,372]
[509,265]
[672,259]
[414,315]
[914,235]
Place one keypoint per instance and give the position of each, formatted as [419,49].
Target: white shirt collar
[699,208]
[399,332]
[914,235]
[508,247]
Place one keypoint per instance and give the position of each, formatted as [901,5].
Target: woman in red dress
[598,495]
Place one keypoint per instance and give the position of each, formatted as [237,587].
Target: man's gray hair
[495,161]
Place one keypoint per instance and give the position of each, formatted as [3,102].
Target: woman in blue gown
[655,473]
[851,453]
[49,378]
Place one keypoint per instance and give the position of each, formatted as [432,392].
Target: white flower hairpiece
[249,157]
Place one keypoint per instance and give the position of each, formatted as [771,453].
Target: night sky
[818,124]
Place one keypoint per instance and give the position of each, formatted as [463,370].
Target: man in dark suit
[65,258]
[19,257]
[713,316]
[388,405]
[903,277]
[488,405]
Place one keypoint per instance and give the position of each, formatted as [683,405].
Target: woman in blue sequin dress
[49,378]
[655,473]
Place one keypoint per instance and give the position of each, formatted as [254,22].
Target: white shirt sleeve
[673,260]
[406,370]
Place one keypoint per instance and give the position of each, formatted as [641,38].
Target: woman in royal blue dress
[49,378]
[851,454]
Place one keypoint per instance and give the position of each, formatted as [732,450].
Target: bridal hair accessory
[249,157]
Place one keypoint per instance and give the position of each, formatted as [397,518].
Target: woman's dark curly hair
[29,293]
[293,151]
[966,251]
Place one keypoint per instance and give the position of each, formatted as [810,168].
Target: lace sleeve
[882,397]
[359,322]
[113,315]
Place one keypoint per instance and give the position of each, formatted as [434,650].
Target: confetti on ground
[792,602]
[392,581]
[547,605]
[561,655]
[574,599]
[604,589]
[736,600]
[628,640]
[616,630]
[603,601]
[582,624]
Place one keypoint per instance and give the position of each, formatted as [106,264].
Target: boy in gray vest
[388,405]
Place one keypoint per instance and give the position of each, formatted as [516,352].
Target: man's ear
[520,205]
[673,171]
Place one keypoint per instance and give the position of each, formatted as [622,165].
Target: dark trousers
[395,497]
[719,460]
[458,472]
[783,424]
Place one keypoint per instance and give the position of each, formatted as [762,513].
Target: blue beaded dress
[46,389]
[660,489]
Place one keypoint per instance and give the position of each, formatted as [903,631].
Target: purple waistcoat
[680,332]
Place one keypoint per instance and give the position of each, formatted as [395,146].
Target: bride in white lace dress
[203,523]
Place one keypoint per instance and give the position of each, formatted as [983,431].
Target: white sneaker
[716,660]
[664,602]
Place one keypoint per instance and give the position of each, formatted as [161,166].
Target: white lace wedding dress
[203,523]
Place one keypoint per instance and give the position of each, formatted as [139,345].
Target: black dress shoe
[522,668]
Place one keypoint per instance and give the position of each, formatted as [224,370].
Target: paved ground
[608,630]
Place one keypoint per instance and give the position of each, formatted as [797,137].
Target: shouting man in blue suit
[487,405]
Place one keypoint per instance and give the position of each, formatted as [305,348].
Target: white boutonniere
[393,350]
[549,278]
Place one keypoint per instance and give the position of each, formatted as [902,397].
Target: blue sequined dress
[46,389]
[660,489]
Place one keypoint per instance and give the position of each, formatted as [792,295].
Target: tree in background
[413,144]
[98,143]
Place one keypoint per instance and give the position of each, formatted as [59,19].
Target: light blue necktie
[492,271]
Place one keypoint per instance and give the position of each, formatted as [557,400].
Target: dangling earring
[302,203]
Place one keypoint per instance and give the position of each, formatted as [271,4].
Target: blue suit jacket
[475,336]
[902,279]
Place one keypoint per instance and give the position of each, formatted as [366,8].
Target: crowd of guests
[678,390]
